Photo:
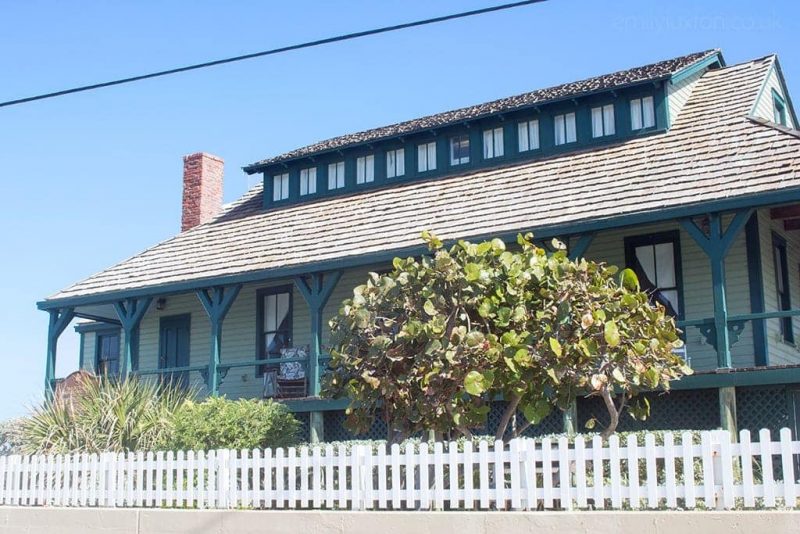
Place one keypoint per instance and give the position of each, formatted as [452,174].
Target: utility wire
[308,44]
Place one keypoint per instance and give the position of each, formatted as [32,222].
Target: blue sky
[90,179]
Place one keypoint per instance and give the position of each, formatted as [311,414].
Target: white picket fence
[525,474]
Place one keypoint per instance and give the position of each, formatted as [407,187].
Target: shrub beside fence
[688,470]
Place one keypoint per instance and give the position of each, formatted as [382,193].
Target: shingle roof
[712,152]
[623,78]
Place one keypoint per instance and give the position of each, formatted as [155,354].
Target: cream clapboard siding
[609,247]
[764,106]
[678,94]
[780,352]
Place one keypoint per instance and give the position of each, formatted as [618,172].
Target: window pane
[282,311]
[312,180]
[498,142]
[360,170]
[391,165]
[779,276]
[569,119]
[276,187]
[597,122]
[459,150]
[559,130]
[636,114]
[608,119]
[646,258]
[422,158]
[332,176]
[488,144]
[285,186]
[522,136]
[431,161]
[370,168]
[665,265]
[400,162]
[270,319]
[671,296]
[340,174]
[648,112]
[303,182]
[533,134]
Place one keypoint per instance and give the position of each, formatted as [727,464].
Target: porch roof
[714,156]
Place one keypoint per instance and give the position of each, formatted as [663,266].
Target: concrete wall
[110,521]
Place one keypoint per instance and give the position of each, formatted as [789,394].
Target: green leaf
[429,308]
[474,383]
[611,333]
[472,272]
[485,309]
[536,411]
[590,424]
[474,338]
[629,280]
[618,376]
[555,346]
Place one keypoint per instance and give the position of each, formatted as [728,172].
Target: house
[687,170]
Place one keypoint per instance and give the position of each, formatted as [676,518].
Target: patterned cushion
[293,370]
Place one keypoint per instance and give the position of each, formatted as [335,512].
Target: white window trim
[335,175]
[308,181]
[528,135]
[365,169]
[493,143]
[280,187]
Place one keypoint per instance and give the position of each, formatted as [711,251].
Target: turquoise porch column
[59,320]
[316,290]
[130,312]
[217,302]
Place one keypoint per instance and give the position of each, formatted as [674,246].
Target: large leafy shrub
[220,423]
[430,344]
[10,436]
[107,415]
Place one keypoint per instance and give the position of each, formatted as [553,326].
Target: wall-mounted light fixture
[161,304]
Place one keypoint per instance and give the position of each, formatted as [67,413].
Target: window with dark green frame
[655,258]
[782,292]
[274,328]
[107,353]
[778,108]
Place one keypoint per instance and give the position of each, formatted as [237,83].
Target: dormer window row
[545,131]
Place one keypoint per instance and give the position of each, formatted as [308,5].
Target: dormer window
[492,143]
[336,175]
[603,121]
[280,187]
[643,113]
[459,150]
[308,181]
[565,128]
[365,169]
[426,157]
[395,163]
[778,108]
[528,135]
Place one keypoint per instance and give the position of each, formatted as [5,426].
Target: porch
[731,282]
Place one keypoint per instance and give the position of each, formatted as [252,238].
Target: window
[280,186]
[492,143]
[778,108]
[643,113]
[308,181]
[784,301]
[107,354]
[655,259]
[459,150]
[426,157]
[336,176]
[603,120]
[395,163]
[565,128]
[528,135]
[365,169]
[274,322]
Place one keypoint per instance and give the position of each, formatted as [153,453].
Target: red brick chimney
[202,189]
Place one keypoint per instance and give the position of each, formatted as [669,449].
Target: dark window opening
[784,301]
[107,360]
[274,323]
[655,259]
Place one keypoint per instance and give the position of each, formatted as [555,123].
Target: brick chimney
[202,189]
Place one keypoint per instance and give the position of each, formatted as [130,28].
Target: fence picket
[279,493]
[746,454]
[598,482]
[34,487]
[787,463]
[424,475]
[316,481]
[499,476]
[199,485]
[368,477]
[547,473]
[633,472]
[329,486]
[410,472]
[564,473]
[669,470]
[513,465]
[580,471]
[291,475]
[354,461]
[396,480]
[726,460]
[268,470]
[530,474]
[483,474]
[687,449]
[709,483]
[614,466]
[341,454]
[383,492]
[765,447]
[652,472]
[469,496]
[304,473]
[438,472]
[452,471]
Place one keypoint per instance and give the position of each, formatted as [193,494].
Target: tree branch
[510,411]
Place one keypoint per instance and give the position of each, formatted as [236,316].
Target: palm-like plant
[107,415]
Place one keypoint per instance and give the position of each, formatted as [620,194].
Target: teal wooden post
[217,302]
[130,313]
[316,294]
[716,246]
[581,246]
[59,320]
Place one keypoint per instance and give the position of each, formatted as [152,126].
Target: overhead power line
[308,44]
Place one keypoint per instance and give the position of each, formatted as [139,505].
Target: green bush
[220,423]
[10,436]
[107,415]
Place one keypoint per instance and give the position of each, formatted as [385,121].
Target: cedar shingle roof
[615,80]
[712,152]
